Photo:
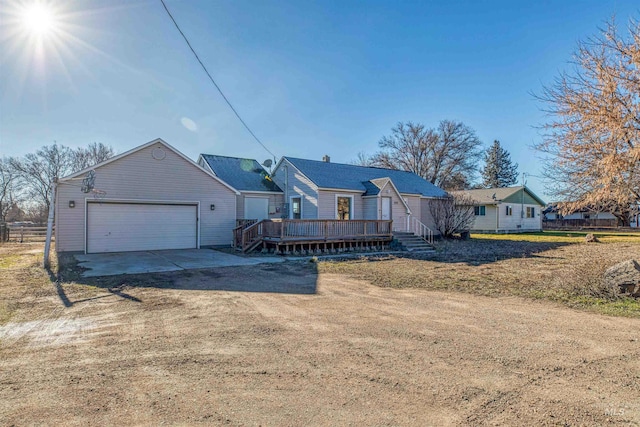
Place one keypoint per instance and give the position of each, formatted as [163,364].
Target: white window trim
[297,196]
[351,205]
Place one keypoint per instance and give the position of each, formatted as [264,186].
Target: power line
[214,82]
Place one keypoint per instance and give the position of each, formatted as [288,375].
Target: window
[509,210]
[296,207]
[479,210]
[531,212]
[343,206]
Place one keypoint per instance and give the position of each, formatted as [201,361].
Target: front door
[386,208]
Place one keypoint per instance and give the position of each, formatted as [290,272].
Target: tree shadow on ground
[477,252]
[295,277]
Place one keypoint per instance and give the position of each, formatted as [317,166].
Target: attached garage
[124,226]
[150,198]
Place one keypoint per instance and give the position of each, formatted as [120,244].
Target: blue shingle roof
[352,177]
[241,174]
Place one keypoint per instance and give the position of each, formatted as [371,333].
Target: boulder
[590,238]
[624,277]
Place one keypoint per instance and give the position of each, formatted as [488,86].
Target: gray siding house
[151,197]
[260,198]
[324,190]
[505,210]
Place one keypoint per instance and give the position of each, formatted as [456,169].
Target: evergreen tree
[499,170]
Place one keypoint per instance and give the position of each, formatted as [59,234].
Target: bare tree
[362,160]
[447,156]
[452,214]
[592,140]
[37,171]
[8,191]
[93,154]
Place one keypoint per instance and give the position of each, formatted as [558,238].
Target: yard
[484,333]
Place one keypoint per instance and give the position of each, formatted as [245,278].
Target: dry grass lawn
[557,266]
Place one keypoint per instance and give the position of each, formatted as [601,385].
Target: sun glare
[38,19]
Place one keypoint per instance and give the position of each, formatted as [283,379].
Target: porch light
[212,207]
[72,204]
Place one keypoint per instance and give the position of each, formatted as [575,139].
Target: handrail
[420,229]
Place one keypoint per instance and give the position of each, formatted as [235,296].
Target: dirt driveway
[342,352]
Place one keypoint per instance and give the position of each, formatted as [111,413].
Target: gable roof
[362,178]
[242,174]
[493,196]
[82,172]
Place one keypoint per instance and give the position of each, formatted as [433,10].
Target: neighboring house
[505,210]
[151,197]
[552,213]
[260,198]
[324,190]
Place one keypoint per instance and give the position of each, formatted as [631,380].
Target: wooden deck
[313,235]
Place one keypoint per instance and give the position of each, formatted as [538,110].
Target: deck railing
[313,230]
[416,227]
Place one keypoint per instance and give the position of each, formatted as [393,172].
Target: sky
[309,77]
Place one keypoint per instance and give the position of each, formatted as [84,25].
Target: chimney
[326,158]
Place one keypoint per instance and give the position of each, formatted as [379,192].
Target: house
[585,217]
[260,198]
[552,213]
[325,190]
[151,197]
[505,210]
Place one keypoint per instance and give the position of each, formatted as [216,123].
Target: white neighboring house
[505,210]
[149,198]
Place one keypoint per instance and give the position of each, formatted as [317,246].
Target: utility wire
[214,82]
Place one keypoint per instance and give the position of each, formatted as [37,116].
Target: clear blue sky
[310,78]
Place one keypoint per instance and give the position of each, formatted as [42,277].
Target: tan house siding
[138,176]
[425,214]
[370,208]
[327,204]
[414,205]
[398,208]
[276,200]
[294,183]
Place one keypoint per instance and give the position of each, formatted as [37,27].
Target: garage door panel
[119,227]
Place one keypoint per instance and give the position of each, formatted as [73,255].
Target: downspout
[286,190]
[52,207]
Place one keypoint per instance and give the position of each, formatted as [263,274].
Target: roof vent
[326,158]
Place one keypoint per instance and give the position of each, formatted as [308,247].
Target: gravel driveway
[179,351]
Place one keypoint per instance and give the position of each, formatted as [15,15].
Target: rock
[590,238]
[624,277]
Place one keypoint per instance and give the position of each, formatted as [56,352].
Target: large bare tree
[93,154]
[447,156]
[37,171]
[8,190]
[592,139]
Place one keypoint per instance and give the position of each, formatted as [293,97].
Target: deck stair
[412,243]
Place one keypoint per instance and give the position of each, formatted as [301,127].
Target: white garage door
[256,208]
[120,227]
